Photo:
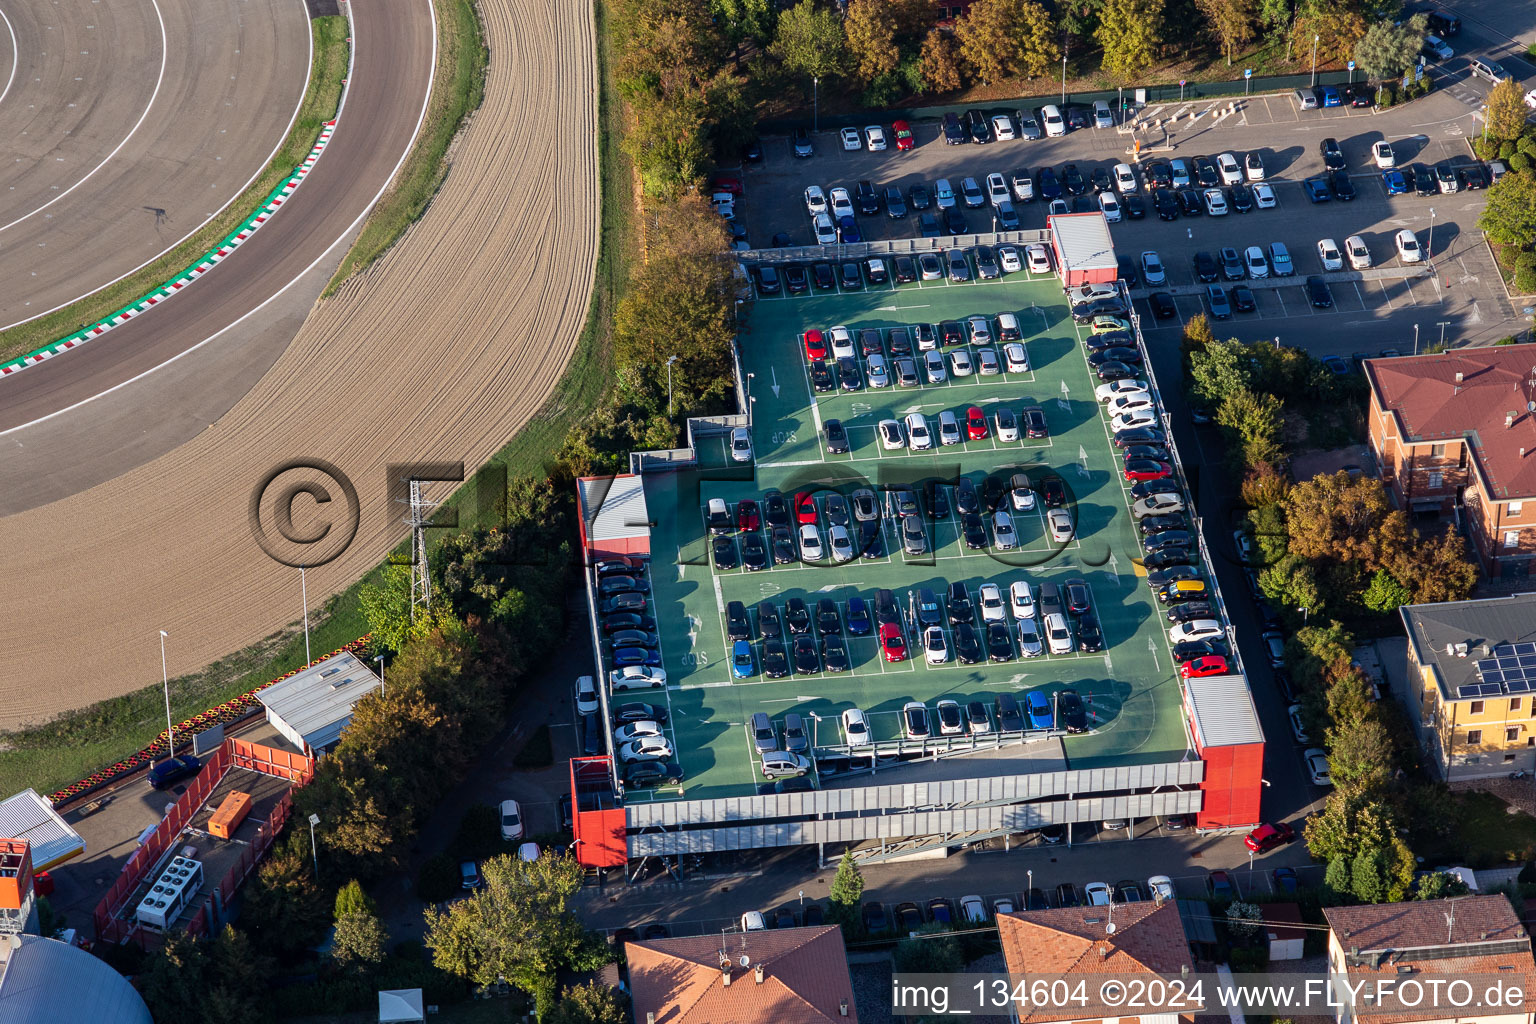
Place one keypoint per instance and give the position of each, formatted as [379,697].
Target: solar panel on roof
[1520,686]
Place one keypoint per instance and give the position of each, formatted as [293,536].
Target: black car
[1071,712]
[627,620]
[806,660]
[1190,203]
[752,151]
[1160,174]
[640,712]
[775,660]
[1163,306]
[173,769]
[821,377]
[1111,339]
[784,550]
[1145,487]
[1424,183]
[1166,204]
[1232,264]
[867,198]
[823,277]
[1066,895]
[828,618]
[954,131]
[1115,371]
[1342,186]
[1072,179]
[1242,299]
[1120,356]
[1360,95]
[770,626]
[802,142]
[1047,185]
[834,653]
[1241,198]
[768,281]
[1162,577]
[1159,524]
[1139,435]
[1077,117]
[957,602]
[938,502]
[1084,312]
[979,125]
[967,647]
[725,553]
[1472,176]
[1100,180]
[797,616]
[1205,172]
[1084,204]
[875,920]
[1089,636]
[1318,293]
[954,221]
[1188,611]
[837,436]
[1053,492]
[974,532]
[1333,156]
[1189,650]
[650,773]
[1009,717]
[630,601]
[775,509]
[906,270]
[1167,539]
[1034,422]
[796,280]
[1126,270]
[848,377]
[738,626]
[918,197]
[1206,268]
[999,641]
[1165,558]
[895,203]
[849,278]
[1134,206]
[966,498]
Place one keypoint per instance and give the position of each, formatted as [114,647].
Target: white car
[1059,520]
[973,910]
[634,730]
[632,677]
[877,373]
[1097,894]
[1317,766]
[1016,358]
[646,748]
[1103,117]
[1089,292]
[891,437]
[851,140]
[1298,728]
[1358,253]
[842,202]
[1195,629]
[1130,403]
[1125,179]
[1253,166]
[1437,46]
[752,921]
[989,602]
[826,232]
[1008,258]
[1159,504]
[511,820]
[1256,264]
[1057,208]
[1263,196]
[1002,127]
[1215,202]
[1152,268]
[874,138]
[1231,171]
[943,194]
[810,544]
[1058,635]
[855,727]
[1002,531]
[1055,124]
[1110,206]
[936,652]
[1408,248]
[1160,887]
[815,200]
[1381,152]
[1037,258]
[1023,187]
[960,363]
[528,852]
[997,189]
[1022,599]
[933,366]
[586,695]
[1329,256]
[741,445]
[1133,420]
[949,429]
[1116,388]
[918,436]
[1006,424]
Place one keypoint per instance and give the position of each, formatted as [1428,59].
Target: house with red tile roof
[1455,432]
[1122,939]
[785,975]
[1386,945]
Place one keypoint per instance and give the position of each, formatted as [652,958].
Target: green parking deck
[1131,686]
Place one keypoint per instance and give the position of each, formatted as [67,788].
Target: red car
[903,133]
[805,507]
[727,183]
[892,642]
[1267,837]
[815,344]
[975,424]
[1210,665]
[1147,469]
[746,515]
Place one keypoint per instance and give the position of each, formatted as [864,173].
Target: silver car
[949,428]
[986,362]
[1002,530]
[1030,644]
[781,764]
[878,374]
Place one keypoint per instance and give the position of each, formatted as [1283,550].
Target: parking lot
[1129,687]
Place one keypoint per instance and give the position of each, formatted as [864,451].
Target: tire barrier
[229,712]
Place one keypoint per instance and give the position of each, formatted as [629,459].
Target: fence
[892,247]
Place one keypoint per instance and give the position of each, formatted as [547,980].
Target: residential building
[1455,433]
[1424,940]
[1472,669]
[786,975]
[1120,939]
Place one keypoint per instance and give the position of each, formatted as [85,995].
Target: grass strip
[328,69]
[71,746]
[459,86]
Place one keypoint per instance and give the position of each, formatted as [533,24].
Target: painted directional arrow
[775,384]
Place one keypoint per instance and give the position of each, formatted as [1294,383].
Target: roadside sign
[1181,83]
[1351,65]
[1248,72]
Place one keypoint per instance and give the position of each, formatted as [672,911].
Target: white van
[1055,124]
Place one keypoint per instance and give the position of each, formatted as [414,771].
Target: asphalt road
[130,124]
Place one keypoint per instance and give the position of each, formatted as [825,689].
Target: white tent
[400,1006]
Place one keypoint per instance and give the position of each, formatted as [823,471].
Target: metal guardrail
[887,247]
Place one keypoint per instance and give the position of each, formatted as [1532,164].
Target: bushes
[1525,273]
[1519,162]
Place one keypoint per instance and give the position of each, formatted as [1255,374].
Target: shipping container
[229,815]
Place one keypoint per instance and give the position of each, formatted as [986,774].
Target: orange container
[230,814]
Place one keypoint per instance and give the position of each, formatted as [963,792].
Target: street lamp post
[165,679]
[1063,71]
[815,104]
[1277,343]
[383,690]
[304,597]
[670,361]
[1430,248]
[1442,334]
[1415,339]
[314,851]
[1314,61]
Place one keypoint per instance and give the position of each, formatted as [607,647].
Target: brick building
[1455,433]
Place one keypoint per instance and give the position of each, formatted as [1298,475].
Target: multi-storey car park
[1007,673]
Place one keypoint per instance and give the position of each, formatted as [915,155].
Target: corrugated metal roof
[1083,241]
[49,980]
[29,816]
[1221,711]
[614,507]
[315,702]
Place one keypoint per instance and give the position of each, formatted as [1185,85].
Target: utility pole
[1063,72]
[1314,60]
[815,104]
[1415,339]
[1442,334]
[170,733]
[670,361]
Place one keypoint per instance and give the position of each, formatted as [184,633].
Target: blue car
[1331,96]
[848,230]
[858,620]
[1039,706]
[741,660]
[1394,182]
[1317,190]
[623,657]
[1221,309]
